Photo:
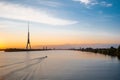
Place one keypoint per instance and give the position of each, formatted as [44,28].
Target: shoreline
[20,50]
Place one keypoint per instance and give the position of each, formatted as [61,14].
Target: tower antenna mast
[28,46]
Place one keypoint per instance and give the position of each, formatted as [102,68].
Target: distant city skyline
[59,22]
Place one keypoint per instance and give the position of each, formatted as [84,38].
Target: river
[58,65]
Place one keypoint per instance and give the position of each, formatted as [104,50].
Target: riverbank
[106,51]
[19,50]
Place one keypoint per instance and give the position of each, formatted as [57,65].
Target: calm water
[58,65]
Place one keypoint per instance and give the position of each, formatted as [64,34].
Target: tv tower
[28,46]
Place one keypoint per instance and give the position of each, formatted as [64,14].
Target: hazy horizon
[69,46]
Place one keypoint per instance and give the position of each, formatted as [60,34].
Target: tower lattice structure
[28,46]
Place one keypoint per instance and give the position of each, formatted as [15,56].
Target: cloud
[89,3]
[18,12]
[50,3]
[103,3]
[84,1]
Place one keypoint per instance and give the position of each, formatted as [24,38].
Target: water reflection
[59,65]
[118,58]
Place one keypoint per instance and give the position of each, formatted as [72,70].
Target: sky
[59,22]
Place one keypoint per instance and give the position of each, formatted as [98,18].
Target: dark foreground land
[115,52]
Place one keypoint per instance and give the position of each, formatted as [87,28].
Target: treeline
[1,49]
[107,51]
[19,50]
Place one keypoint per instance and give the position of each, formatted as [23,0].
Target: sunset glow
[61,22]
